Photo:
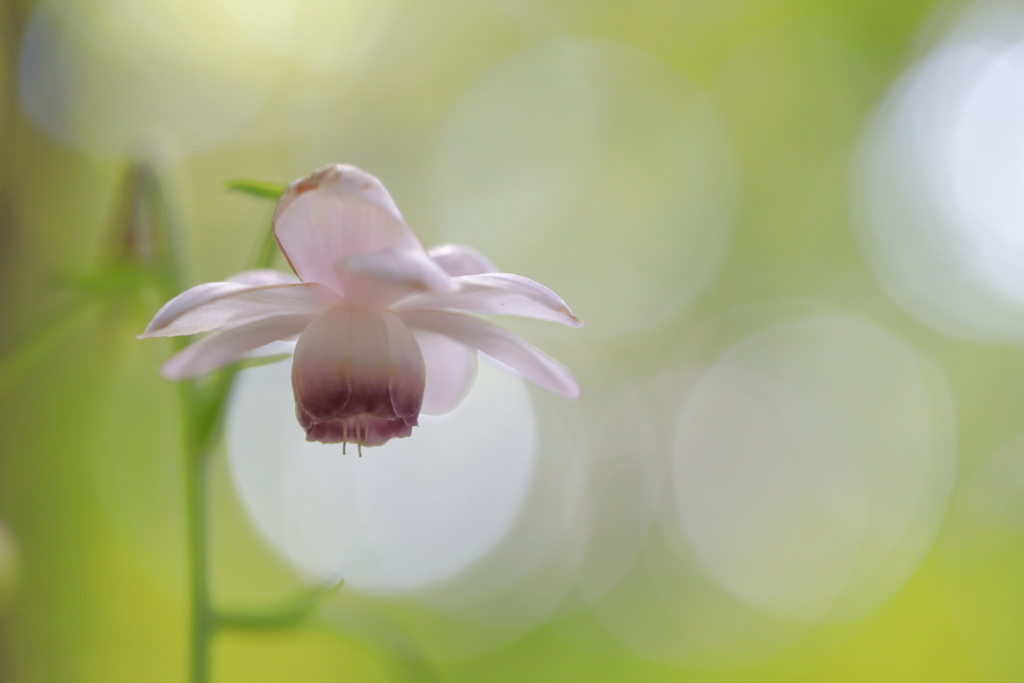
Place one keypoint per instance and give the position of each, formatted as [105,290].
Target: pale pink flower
[381,322]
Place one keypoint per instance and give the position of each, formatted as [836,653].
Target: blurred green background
[793,228]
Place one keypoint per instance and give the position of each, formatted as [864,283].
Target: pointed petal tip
[570,388]
[572,321]
[154,330]
[170,372]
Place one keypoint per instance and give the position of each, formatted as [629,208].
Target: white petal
[383,277]
[229,344]
[209,306]
[502,345]
[498,293]
[450,369]
[264,276]
[459,260]
[333,213]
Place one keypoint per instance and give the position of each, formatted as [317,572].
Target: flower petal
[378,279]
[229,344]
[336,211]
[357,364]
[450,369]
[459,260]
[209,306]
[502,345]
[264,276]
[499,293]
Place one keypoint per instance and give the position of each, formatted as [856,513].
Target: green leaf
[257,188]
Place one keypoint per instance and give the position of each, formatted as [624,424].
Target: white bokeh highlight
[812,465]
[940,181]
[586,138]
[407,515]
[101,77]
[187,75]
[622,486]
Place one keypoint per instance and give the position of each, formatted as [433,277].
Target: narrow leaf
[257,188]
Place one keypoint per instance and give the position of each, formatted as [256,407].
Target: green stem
[203,622]
[203,406]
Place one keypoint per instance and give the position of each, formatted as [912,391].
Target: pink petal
[264,276]
[209,306]
[378,279]
[459,260]
[229,344]
[497,293]
[333,213]
[450,369]
[502,345]
[355,365]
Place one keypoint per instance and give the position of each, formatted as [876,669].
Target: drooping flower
[382,323]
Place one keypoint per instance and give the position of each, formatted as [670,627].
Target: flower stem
[203,623]
[204,405]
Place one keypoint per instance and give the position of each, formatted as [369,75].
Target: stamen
[344,437]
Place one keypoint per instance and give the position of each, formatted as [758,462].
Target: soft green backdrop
[466,110]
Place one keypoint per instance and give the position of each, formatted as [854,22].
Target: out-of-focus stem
[204,404]
[203,622]
[203,407]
